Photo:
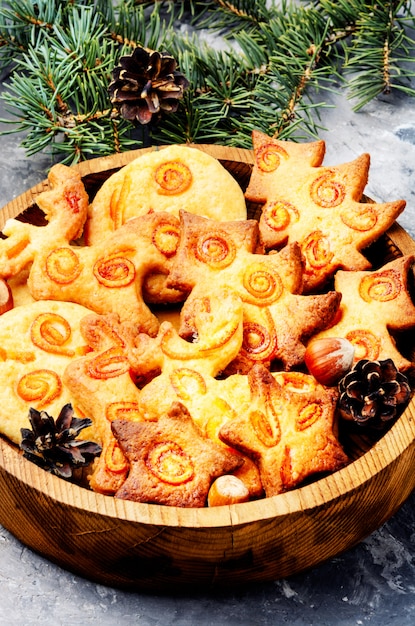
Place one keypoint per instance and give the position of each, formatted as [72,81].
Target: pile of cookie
[214,404]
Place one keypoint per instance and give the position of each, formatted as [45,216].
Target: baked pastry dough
[319,207]
[174,406]
[277,317]
[108,277]
[37,341]
[101,386]
[374,305]
[171,461]
[288,432]
[65,206]
[169,179]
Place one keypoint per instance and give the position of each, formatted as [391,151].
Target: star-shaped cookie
[277,317]
[288,433]
[168,368]
[374,304]
[171,462]
[319,207]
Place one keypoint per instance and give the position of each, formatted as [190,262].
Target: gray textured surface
[374,583]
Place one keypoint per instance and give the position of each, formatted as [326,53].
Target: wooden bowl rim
[319,493]
[316,494]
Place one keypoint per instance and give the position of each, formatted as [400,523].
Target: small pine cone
[145,83]
[53,445]
[372,392]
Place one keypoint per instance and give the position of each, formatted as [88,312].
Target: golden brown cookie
[65,206]
[169,179]
[108,277]
[169,369]
[374,305]
[319,207]
[277,317]
[37,341]
[171,461]
[288,433]
[272,156]
[101,386]
[187,369]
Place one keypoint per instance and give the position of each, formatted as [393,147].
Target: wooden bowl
[151,547]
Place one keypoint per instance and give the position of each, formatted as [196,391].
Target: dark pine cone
[53,445]
[372,392]
[145,83]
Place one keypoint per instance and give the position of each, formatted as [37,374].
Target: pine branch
[275,57]
[381,52]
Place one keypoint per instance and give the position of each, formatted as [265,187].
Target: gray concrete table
[374,583]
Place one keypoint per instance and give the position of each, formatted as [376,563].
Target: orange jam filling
[108,364]
[17,248]
[187,383]
[362,218]
[40,386]
[258,342]
[166,239]
[316,249]
[114,271]
[123,411]
[115,461]
[380,286]
[63,266]
[308,416]
[268,157]
[49,332]
[264,431]
[297,381]
[327,192]
[173,178]
[279,215]
[366,344]
[262,284]
[216,250]
[170,463]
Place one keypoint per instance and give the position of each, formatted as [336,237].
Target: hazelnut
[329,358]
[227,489]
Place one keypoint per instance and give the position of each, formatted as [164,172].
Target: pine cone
[145,83]
[372,392]
[53,445]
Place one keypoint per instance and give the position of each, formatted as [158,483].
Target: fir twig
[274,58]
[382,50]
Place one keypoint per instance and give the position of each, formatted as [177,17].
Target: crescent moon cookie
[277,316]
[169,179]
[37,342]
[319,207]
[374,305]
